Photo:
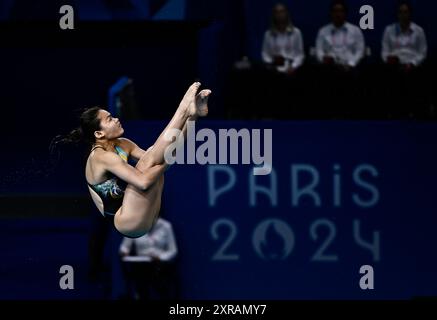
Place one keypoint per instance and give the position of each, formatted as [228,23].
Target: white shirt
[344,44]
[160,242]
[288,44]
[409,46]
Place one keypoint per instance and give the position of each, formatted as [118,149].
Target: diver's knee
[131,229]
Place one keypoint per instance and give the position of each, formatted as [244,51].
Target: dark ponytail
[89,123]
[74,137]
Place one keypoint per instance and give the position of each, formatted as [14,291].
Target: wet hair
[84,133]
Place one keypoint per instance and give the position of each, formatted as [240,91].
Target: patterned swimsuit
[111,191]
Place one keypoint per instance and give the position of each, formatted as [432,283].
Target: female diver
[135,208]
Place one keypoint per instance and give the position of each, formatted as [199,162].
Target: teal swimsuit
[111,191]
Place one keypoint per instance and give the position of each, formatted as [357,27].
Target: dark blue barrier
[371,202]
[341,195]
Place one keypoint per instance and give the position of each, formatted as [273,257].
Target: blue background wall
[45,79]
[204,45]
[309,16]
[246,20]
[266,248]
[402,212]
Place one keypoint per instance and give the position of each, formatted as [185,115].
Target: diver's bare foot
[202,103]
[188,101]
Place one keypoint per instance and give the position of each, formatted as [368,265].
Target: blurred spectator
[404,42]
[340,42]
[283,44]
[149,262]
[340,48]
[283,55]
[404,50]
